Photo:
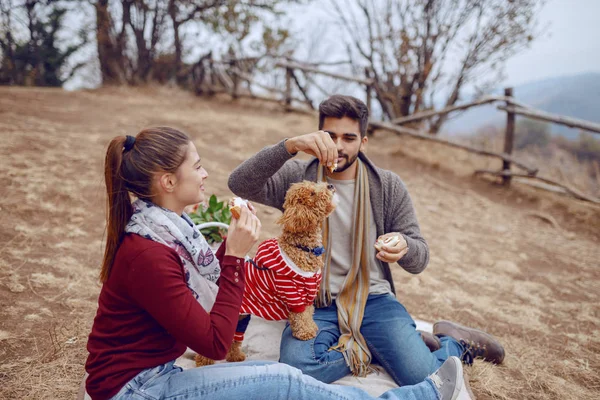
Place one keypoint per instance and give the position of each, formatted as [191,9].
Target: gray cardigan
[266,177]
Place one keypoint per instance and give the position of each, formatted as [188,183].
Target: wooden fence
[227,76]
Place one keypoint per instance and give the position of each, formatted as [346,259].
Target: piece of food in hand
[235,206]
[333,167]
[389,241]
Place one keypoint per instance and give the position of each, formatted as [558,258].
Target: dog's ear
[298,218]
[298,215]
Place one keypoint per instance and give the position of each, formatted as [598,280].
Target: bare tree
[182,12]
[129,51]
[111,45]
[421,52]
[32,50]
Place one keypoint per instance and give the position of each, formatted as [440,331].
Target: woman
[164,290]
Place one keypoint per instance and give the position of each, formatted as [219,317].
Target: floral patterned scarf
[178,232]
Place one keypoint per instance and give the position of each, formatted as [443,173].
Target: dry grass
[494,264]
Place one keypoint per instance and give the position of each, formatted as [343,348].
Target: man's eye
[199,167]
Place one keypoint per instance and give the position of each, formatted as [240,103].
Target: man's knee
[296,353]
[327,366]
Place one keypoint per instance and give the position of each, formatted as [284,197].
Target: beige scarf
[352,297]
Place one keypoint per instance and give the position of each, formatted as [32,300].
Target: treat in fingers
[389,241]
[235,206]
[333,167]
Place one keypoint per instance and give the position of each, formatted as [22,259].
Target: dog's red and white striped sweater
[275,287]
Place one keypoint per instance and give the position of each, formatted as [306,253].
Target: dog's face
[306,206]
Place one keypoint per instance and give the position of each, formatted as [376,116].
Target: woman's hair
[129,168]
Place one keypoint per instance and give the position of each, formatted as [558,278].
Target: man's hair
[338,106]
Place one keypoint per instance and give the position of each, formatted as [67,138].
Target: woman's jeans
[391,336]
[264,380]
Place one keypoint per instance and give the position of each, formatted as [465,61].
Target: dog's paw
[235,353]
[201,361]
[306,332]
[236,357]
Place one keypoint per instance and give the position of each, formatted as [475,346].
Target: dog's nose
[331,187]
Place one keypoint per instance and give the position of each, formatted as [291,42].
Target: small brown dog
[283,279]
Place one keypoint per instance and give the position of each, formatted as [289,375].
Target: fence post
[288,89]
[509,137]
[236,79]
[368,75]
[212,78]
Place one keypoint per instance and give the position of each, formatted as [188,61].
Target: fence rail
[507,104]
[557,119]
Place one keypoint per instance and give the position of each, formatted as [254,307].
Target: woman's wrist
[230,253]
[232,259]
[232,269]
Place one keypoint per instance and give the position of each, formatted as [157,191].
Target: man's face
[345,133]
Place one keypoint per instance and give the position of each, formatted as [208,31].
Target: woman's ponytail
[118,204]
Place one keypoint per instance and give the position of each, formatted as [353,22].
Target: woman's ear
[167,182]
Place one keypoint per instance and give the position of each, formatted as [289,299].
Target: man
[359,318]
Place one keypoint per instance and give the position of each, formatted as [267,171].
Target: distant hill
[575,96]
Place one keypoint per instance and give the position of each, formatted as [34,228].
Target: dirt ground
[520,263]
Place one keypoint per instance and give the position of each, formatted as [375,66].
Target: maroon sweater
[147,315]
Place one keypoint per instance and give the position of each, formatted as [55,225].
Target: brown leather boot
[477,344]
[432,341]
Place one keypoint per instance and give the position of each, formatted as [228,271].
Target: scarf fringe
[356,364]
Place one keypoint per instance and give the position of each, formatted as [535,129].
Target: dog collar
[317,251]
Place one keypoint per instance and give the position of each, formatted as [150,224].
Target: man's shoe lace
[472,351]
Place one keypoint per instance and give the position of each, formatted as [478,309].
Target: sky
[571,44]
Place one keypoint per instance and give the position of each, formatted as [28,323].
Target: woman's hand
[243,234]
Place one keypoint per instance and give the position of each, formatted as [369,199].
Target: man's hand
[391,253]
[318,144]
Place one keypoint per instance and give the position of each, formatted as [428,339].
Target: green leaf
[212,202]
[215,211]
[216,237]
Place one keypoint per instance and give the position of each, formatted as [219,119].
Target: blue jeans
[391,336]
[264,380]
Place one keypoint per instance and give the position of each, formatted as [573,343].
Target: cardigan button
[236,280]
[236,274]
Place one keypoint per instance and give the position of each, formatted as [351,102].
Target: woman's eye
[199,167]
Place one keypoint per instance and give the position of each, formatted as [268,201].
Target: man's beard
[348,163]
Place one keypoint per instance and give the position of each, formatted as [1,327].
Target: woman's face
[190,178]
